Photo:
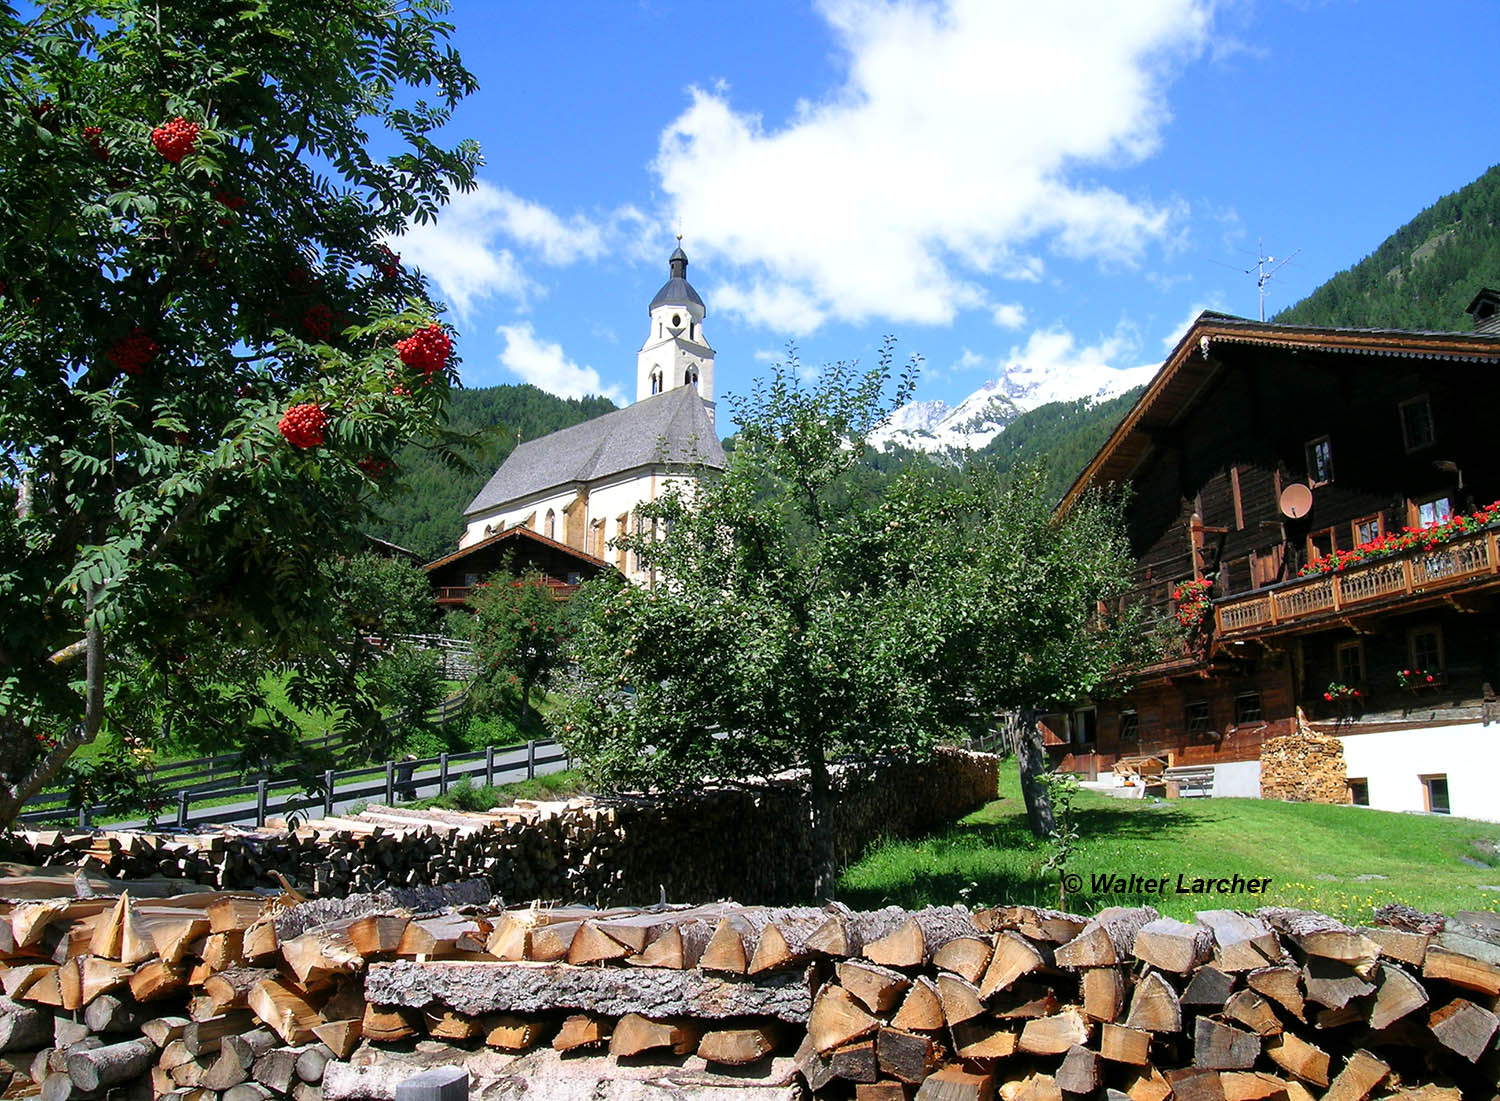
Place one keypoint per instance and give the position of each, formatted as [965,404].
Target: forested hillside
[1424,274]
[1063,434]
[427,517]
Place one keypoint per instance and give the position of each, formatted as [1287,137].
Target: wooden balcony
[454,595]
[1470,562]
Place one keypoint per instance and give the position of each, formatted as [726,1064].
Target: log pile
[747,842]
[1305,766]
[243,997]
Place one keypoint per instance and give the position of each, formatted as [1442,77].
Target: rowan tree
[796,624]
[210,354]
[518,631]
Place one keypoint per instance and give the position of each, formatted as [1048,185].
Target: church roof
[672,427]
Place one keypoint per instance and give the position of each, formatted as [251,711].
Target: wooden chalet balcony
[459,594]
[1463,563]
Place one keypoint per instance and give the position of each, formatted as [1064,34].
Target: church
[581,487]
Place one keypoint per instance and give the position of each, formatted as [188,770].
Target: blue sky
[991,182]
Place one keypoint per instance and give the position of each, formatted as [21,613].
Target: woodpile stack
[747,842]
[1305,766]
[242,997]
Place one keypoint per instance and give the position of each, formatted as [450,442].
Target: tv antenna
[1265,268]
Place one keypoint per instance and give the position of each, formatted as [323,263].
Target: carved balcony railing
[1417,572]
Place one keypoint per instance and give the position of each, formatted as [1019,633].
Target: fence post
[442,773]
[262,788]
[83,816]
[182,809]
[390,783]
[489,766]
[531,759]
[442,1084]
[328,793]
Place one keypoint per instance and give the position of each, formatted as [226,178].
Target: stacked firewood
[215,994]
[619,850]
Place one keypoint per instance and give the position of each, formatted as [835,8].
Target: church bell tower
[676,352]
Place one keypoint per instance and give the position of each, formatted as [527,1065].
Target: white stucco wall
[498,521]
[1237,779]
[1393,762]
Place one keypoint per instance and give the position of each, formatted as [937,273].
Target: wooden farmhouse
[1325,491]
[516,550]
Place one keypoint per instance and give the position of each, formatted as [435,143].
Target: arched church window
[551,524]
[656,381]
[690,377]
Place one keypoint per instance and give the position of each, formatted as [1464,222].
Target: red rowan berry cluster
[303,425]
[373,467]
[131,353]
[317,321]
[426,350]
[233,202]
[94,136]
[387,263]
[176,139]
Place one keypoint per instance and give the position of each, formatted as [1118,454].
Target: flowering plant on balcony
[1337,693]
[1415,678]
[1393,543]
[1191,598]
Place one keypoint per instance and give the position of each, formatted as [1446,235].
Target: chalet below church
[1314,504]
[581,488]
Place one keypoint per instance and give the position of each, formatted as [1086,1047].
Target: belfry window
[690,377]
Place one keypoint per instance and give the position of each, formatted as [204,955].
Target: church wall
[497,521]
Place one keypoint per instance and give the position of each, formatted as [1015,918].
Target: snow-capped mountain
[935,426]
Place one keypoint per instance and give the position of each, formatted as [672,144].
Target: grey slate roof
[676,292]
[671,427]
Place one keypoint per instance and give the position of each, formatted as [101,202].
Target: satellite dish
[1296,501]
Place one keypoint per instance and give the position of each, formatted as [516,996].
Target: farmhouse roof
[1191,364]
[671,427]
[516,535]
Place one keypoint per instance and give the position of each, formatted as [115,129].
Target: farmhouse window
[1198,721]
[1351,662]
[1425,645]
[1130,725]
[1367,529]
[1320,544]
[1437,510]
[1416,423]
[1083,726]
[1319,461]
[1247,708]
[1435,793]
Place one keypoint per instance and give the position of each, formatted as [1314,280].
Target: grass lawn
[1344,861]
[465,796]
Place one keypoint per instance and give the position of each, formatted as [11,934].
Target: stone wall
[746,842]
[1305,767]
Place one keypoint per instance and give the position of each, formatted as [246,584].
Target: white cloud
[1053,365]
[470,252]
[1175,334]
[1009,315]
[544,365]
[964,140]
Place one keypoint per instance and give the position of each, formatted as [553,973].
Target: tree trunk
[1031,758]
[820,806]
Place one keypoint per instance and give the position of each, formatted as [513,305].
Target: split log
[784,940]
[1035,923]
[1281,985]
[877,988]
[953,1083]
[385,1024]
[737,1047]
[922,1010]
[836,1020]
[960,999]
[1244,1085]
[815,1067]
[1024,1001]
[634,1034]
[1299,1058]
[1054,1035]
[582,1030]
[378,934]
[1398,944]
[1359,1078]
[1172,945]
[107,1013]
[882,1091]
[1013,957]
[844,932]
[1208,988]
[1396,995]
[1120,1044]
[23,1027]
[1241,942]
[1220,1046]
[912,943]
[984,1039]
[1464,961]
[1254,1012]
[231,989]
[162,1031]
[591,944]
[966,957]
[202,1037]
[1107,939]
[446,1024]
[1332,983]
[1103,993]
[909,1056]
[1320,935]
[342,1037]
[509,1032]
[677,946]
[1463,1028]
[156,980]
[855,1062]
[284,1008]
[1194,1084]
[482,987]
[1154,1006]
[1080,1072]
